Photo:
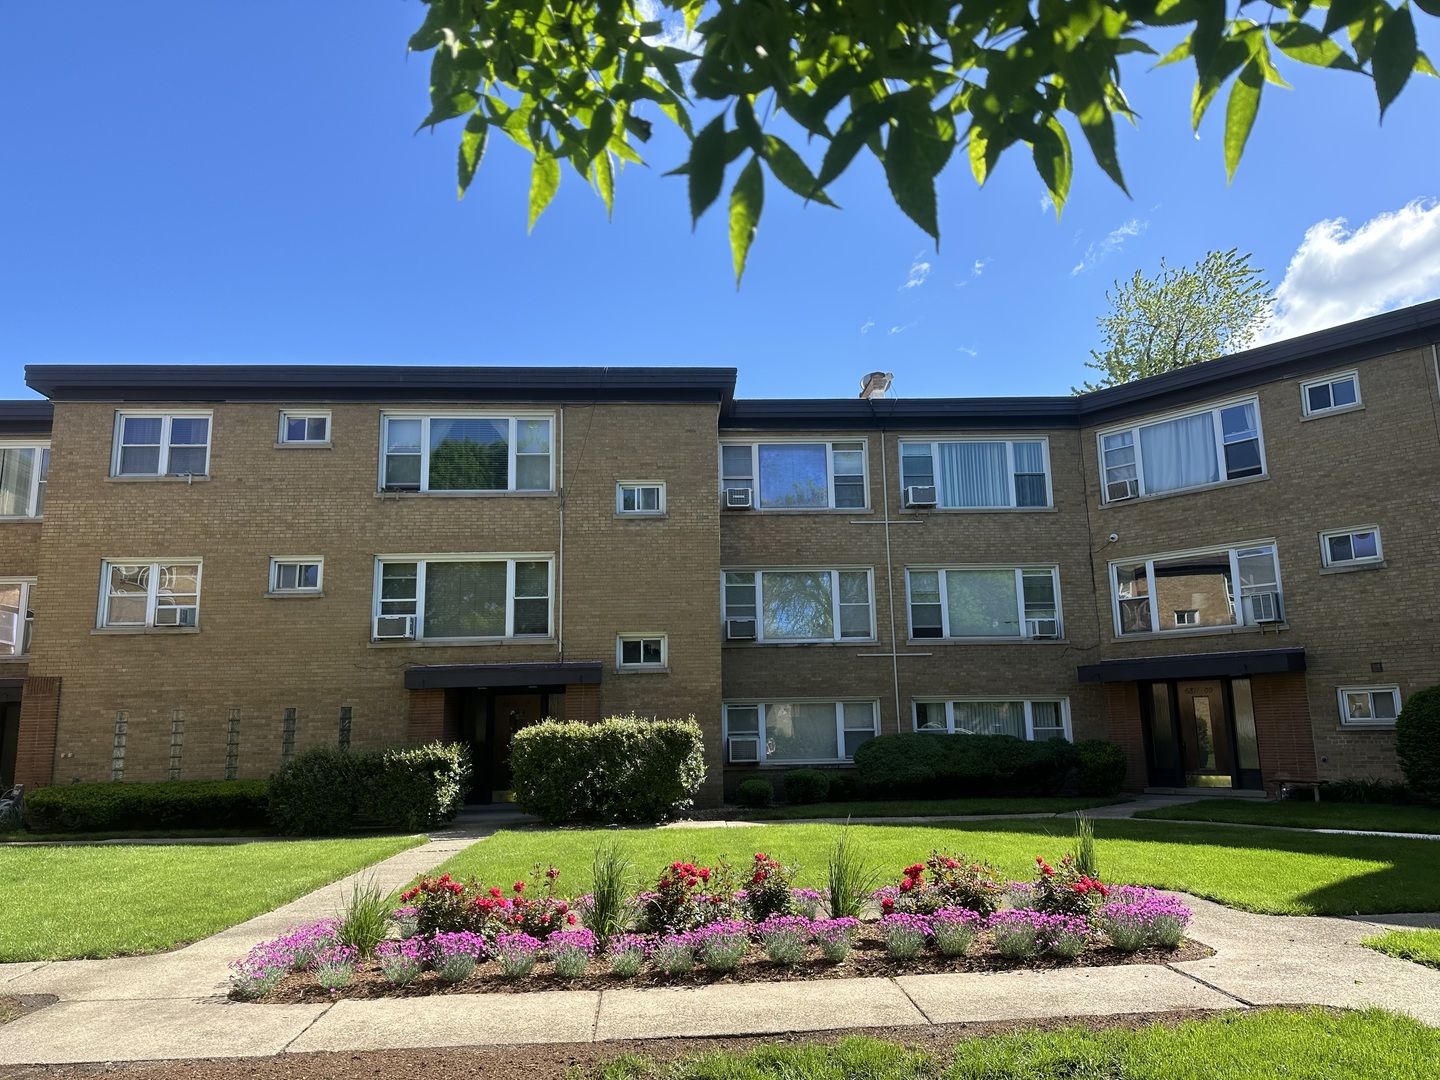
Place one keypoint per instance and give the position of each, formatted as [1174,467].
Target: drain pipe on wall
[560,554]
[890,581]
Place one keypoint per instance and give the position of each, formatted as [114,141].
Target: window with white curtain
[801,605]
[984,602]
[797,475]
[1194,590]
[466,453]
[1033,719]
[24,474]
[1176,453]
[795,732]
[456,597]
[979,474]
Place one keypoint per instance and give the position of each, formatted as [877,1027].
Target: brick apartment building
[1230,570]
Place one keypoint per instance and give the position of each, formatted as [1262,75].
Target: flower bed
[945,915]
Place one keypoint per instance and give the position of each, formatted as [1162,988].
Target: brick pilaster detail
[582,703]
[426,721]
[1283,727]
[39,721]
[1122,726]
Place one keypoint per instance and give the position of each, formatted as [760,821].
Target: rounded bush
[918,765]
[314,793]
[319,792]
[1101,764]
[1417,741]
[755,791]
[803,786]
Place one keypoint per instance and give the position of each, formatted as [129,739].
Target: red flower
[703,873]
[761,858]
[519,886]
[570,919]
[758,879]
[907,884]
[552,873]
[887,904]
[495,891]
[664,883]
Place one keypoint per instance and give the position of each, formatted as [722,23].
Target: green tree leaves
[747,199]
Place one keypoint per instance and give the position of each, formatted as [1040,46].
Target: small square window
[295,575]
[1331,393]
[1187,617]
[640,498]
[304,429]
[1351,547]
[641,651]
[1369,706]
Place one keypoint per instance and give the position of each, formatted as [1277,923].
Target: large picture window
[1034,719]
[801,605]
[460,597]
[466,453]
[140,594]
[1238,586]
[979,475]
[24,474]
[1177,453]
[800,731]
[985,602]
[797,475]
[161,444]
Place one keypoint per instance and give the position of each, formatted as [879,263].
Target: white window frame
[24,627]
[834,571]
[152,594]
[1368,560]
[512,418]
[307,415]
[1028,702]
[1019,571]
[39,476]
[622,486]
[508,558]
[1329,380]
[1341,693]
[166,420]
[762,708]
[620,663]
[829,444]
[278,561]
[1134,426]
[1238,607]
[1009,441]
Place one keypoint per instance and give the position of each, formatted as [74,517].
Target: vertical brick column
[1122,726]
[426,721]
[39,720]
[582,702]
[1282,726]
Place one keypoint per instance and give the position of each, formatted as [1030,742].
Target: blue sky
[198,183]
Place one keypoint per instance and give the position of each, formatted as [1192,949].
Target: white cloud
[868,324]
[967,350]
[673,32]
[1098,252]
[902,329]
[1337,275]
[976,269]
[919,271]
[1046,202]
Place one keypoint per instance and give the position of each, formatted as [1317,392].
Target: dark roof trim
[161,382]
[482,676]
[27,417]
[1195,666]
[909,414]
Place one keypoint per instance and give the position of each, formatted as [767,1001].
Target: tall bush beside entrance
[1417,741]
[621,769]
[920,765]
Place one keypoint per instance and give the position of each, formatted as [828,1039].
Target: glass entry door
[1207,750]
[1200,733]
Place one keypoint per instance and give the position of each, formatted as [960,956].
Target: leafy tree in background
[910,81]
[1179,317]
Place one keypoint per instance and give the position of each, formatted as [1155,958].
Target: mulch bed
[868,959]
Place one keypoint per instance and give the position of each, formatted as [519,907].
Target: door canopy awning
[1195,666]
[486,676]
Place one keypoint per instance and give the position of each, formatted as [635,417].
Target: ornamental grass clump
[721,945]
[954,930]
[454,956]
[848,878]
[335,967]
[401,962]
[627,955]
[1138,916]
[366,918]
[570,951]
[517,953]
[674,954]
[835,937]
[785,938]
[904,935]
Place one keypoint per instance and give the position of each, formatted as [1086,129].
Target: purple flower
[627,954]
[904,935]
[401,962]
[834,937]
[721,945]
[1137,916]
[517,954]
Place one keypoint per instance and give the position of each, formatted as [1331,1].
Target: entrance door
[509,713]
[1200,733]
[1207,748]
[9,741]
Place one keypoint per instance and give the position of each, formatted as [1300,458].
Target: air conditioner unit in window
[739,629]
[1120,490]
[920,496]
[743,750]
[1264,607]
[1042,628]
[394,627]
[739,498]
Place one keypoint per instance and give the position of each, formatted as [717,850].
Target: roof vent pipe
[876,384]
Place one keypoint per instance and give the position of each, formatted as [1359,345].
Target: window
[1330,394]
[295,575]
[640,499]
[795,475]
[24,474]
[1035,719]
[459,597]
[972,474]
[1351,547]
[1198,589]
[137,594]
[803,731]
[985,602]
[162,444]
[1177,453]
[801,605]
[304,429]
[16,618]
[640,651]
[465,453]
[1369,706]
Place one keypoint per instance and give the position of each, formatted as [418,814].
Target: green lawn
[1296,1045]
[69,902]
[1421,946]
[924,808]
[1270,871]
[1298,814]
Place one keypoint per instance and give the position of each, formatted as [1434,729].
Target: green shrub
[418,787]
[804,786]
[916,765]
[1101,764]
[319,792]
[173,804]
[1417,741]
[1356,790]
[316,793]
[755,792]
[624,769]
[843,786]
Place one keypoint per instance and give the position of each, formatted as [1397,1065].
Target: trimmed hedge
[1417,741]
[755,792]
[918,765]
[172,804]
[1101,764]
[804,786]
[622,769]
[320,792]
